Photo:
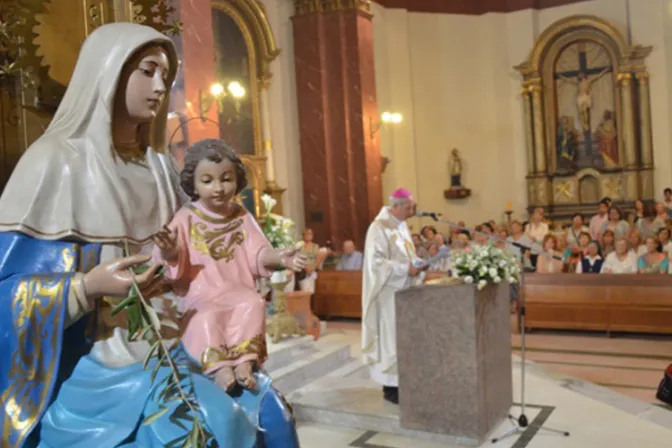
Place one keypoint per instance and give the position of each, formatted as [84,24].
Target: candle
[508,206]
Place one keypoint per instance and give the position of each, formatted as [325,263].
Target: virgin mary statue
[96,181]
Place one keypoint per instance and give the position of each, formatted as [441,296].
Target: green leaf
[154,417]
[155,371]
[175,420]
[149,355]
[147,334]
[176,442]
[195,435]
[123,305]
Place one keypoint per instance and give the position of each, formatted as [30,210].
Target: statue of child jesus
[214,251]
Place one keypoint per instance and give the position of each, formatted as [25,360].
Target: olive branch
[144,324]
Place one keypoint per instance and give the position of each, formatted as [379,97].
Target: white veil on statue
[69,183]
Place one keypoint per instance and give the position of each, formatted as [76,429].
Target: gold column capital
[305,7]
[642,77]
[624,78]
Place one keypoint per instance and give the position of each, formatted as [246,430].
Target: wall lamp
[217,93]
[385,119]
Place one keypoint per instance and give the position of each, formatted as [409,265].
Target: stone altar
[454,359]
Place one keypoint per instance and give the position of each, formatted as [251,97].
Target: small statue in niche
[456,190]
[455,169]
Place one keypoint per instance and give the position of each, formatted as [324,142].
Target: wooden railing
[603,302]
[339,294]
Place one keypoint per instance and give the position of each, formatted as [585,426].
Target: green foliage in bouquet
[278,229]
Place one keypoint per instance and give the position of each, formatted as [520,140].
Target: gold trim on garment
[212,241]
[238,213]
[62,234]
[36,303]
[255,345]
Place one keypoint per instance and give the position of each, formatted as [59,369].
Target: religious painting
[586,106]
[232,64]
[586,134]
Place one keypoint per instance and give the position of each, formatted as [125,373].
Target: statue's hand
[166,241]
[114,279]
[293,259]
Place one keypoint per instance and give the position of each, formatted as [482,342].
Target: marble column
[628,128]
[646,143]
[529,134]
[336,93]
[538,129]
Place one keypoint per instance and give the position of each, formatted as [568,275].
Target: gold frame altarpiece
[250,17]
[560,192]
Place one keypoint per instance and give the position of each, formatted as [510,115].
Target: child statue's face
[143,87]
[215,184]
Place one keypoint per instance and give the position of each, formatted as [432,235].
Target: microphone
[435,216]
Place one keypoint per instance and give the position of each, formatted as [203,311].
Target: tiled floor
[629,364]
[596,416]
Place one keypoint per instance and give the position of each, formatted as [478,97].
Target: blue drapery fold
[34,283]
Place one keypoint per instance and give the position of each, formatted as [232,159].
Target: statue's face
[215,184]
[142,88]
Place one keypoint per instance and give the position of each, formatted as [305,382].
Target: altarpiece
[587,118]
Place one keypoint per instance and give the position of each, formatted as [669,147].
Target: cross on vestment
[584,94]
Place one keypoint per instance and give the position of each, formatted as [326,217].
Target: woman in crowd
[653,261]
[636,246]
[616,223]
[664,239]
[592,262]
[659,220]
[573,232]
[549,262]
[305,280]
[622,260]
[574,255]
[607,243]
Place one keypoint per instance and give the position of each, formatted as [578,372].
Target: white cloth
[613,265]
[69,182]
[388,252]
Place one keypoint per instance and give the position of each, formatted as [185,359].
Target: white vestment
[388,252]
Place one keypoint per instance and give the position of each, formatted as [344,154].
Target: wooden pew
[339,293]
[602,302]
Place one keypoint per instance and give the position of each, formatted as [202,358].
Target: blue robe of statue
[53,395]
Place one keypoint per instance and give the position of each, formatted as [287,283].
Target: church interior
[543,131]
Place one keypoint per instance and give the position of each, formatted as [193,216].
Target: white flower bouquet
[486,264]
[278,229]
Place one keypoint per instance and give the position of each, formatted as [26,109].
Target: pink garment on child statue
[219,261]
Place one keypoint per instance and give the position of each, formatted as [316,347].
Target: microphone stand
[522,422]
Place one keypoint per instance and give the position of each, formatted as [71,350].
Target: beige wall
[451,77]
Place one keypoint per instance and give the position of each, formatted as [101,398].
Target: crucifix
[582,79]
